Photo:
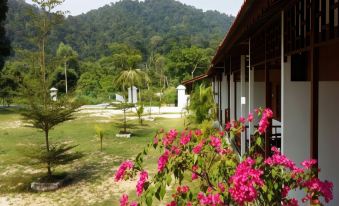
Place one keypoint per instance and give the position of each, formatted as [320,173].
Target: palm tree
[127,79]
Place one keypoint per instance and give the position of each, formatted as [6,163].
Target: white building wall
[329,136]
[224,97]
[239,100]
[297,117]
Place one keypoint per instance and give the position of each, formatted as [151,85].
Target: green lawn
[92,175]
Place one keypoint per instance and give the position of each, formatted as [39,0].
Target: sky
[76,7]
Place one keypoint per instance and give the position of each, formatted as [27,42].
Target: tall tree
[4,41]
[65,53]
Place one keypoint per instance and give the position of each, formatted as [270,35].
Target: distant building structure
[133,94]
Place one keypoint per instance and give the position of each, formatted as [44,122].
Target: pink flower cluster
[198,132]
[183,189]
[291,202]
[185,138]
[210,199]
[169,137]
[142,180]
[122,169]
[308,164]
[215,142]
[264,122]
[194,174]
[163,159]
[316,186]
[244,181]
[197,149]
[124,201]
[279,159]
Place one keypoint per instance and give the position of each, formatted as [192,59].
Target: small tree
[100,134]
[124,106]
[202,105]
[140,112]
[45,114]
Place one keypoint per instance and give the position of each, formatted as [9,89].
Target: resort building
[284,54]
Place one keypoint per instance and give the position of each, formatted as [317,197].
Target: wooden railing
[275,138]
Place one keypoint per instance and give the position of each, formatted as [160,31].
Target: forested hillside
[174,42]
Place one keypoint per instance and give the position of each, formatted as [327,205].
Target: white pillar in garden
[54,93]
[182,97]
[133,95]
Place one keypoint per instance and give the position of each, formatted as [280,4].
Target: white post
[250,94]
[182,98]
[243,100]
[232,97]
[282,82]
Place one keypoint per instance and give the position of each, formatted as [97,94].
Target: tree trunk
[49,172]
[101,144]
[66,77]
[125,122]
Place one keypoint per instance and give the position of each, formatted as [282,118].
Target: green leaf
[162,191]
[258,141]
[264,188]
[168,179]
[149,199]
[195,159]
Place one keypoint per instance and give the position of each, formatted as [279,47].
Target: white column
[283,80]
[243,99]
[251,102]
[232,97]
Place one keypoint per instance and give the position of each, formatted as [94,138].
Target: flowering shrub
[223,178]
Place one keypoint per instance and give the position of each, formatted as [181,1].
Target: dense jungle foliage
[165,38]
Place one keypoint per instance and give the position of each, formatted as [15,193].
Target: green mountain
[167,23]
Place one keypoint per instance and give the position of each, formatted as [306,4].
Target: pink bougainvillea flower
[291,202]
[163,159]
[134,204]
[215,142]
[189,204]
[119,175]
[242,120]
[285,191]
[308,164]
[142,180]
[250,117]
[228,126]
[124,200]
[183,189]
[279,159]
[194,174]
[197,149]
[210,199]
[175,150]
[264,122]
[198,132]
[169,137]
[185,139]
[244,181]
[221,187]
[173,203]
[316,186]
[221,133]
[156,140]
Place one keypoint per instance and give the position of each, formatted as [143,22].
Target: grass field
[92,175]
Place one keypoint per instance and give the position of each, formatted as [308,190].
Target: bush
[222,177]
